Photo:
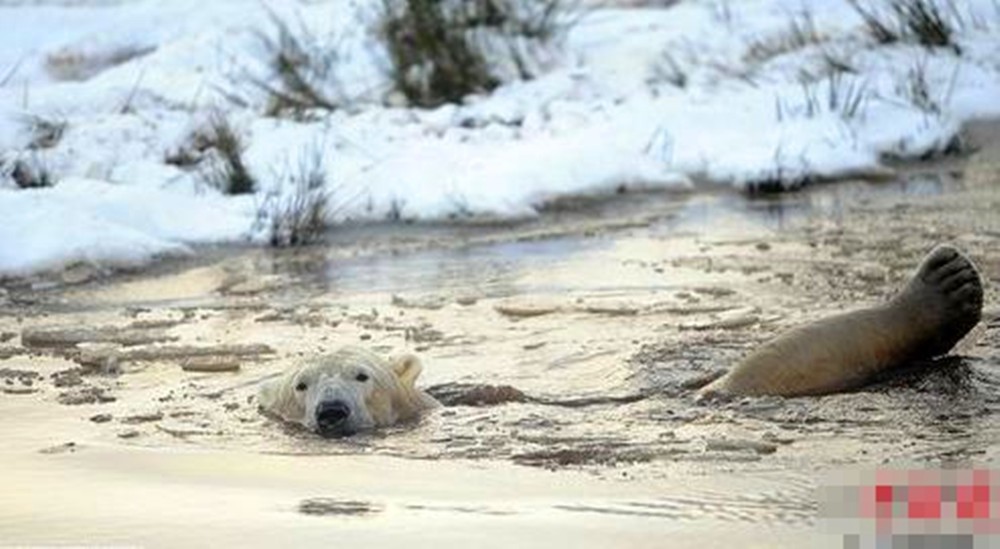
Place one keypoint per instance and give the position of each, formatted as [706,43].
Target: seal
[940,304]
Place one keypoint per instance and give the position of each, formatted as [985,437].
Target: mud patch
[18,382]
[199,355]
[324,506]
[10,376]
[85,395]
[585,454]
[68,378]
[143,418]
[211,363]
[62,337]
[474,394]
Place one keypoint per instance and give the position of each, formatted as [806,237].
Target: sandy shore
[130,406]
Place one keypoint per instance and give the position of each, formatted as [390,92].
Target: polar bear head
[348,391]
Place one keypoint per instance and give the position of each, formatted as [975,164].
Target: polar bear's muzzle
[332,419]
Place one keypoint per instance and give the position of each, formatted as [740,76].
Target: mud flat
[579,336]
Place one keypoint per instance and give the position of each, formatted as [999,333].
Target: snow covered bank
[760,92]
[93,221]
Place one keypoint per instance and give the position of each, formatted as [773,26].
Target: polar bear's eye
[362,377]
[301,386]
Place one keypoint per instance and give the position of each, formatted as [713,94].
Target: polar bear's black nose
[330,414]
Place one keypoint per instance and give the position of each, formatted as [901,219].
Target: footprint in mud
[325,506]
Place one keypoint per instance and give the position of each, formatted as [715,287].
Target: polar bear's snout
[336,408]
[331,418]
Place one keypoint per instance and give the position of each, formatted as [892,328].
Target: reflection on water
[491,269]
[708,213]
[488,270]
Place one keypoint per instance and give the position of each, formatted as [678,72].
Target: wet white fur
[388,396]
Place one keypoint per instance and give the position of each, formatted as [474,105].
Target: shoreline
[569,216]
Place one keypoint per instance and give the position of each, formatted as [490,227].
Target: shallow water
[633,301]
[171,497]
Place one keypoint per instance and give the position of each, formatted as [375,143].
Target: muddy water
[605,313]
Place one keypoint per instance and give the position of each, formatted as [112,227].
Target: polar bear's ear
[407,368]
